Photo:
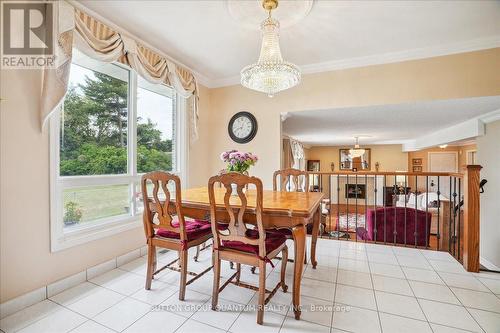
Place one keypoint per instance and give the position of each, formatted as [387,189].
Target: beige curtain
[99,41]
[288,160]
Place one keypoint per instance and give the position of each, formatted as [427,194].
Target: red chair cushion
[273,241]
[288,233]
[194,229]
[285,232]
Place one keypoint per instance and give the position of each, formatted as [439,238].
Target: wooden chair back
[289,176]
[237,230]
[159,213]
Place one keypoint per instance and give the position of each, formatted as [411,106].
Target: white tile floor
[356,288]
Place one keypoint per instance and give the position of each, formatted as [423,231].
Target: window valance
[75,28]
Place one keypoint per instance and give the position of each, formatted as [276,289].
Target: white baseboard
[23,301]
[128,257]
[102,268]
[38,295]
[488,264]
[66,283]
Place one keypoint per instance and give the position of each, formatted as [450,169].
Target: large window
[113,127]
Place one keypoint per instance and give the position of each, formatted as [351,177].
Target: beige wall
[199,151]
[26,262]
[390,157]
[424,155]
[488,155]
[455,76]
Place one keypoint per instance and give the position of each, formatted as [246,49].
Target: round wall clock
[242,127]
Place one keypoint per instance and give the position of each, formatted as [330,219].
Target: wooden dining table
[290,210]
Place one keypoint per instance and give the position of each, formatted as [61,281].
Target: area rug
[349,222]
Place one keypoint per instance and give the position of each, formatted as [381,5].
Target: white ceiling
[384,124]
[204,36]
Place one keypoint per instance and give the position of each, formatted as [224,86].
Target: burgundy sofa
[395,216]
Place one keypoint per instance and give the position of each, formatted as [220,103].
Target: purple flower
[237,160]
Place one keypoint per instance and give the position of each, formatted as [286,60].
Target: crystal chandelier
[270,74]
[356,151]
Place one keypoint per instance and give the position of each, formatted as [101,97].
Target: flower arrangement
[238,161]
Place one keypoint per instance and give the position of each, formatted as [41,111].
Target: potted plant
[238,161]
[73,214]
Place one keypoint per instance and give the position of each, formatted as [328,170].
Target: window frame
[59,239]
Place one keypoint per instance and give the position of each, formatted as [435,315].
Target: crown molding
[490,117]
[379,59]
[413,54]
[200,78]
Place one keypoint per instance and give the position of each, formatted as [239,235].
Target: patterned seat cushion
[285,232]
[194,229]
[273,241]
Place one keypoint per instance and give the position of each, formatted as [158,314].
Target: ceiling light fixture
[443,146]
[356,151]
[271,74]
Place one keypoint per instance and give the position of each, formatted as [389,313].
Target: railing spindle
[394,191]
[405,197]
[385,209]
[415,231]
[346,194]
[338,206]
[375,211]
[438,236]
[450,236]
[427,231]
[459,216]
[355,208]
[454,214]
[329,205]
[366,201]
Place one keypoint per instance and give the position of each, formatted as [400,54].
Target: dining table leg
[299,239]
[314,236]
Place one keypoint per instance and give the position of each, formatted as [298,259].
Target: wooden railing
[431,210]
[471,218]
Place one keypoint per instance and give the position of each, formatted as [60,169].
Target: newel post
[471,218]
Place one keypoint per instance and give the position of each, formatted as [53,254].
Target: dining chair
[240,244]
[291,177]
[166,227]
[290,180]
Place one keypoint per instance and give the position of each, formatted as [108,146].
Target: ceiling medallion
[271,74]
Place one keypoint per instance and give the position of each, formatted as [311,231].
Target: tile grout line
[336,280]
[127,297]
[416,298]
[470,314]
[375,296]
[480,281]
[87,322]
[332,320]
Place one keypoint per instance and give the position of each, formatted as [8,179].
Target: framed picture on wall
[314,180]
[417,168]
[417,161]
[313,165]
[350,162]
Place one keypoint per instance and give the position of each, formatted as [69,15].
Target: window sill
[80,235]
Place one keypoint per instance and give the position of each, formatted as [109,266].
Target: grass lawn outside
[98,202]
